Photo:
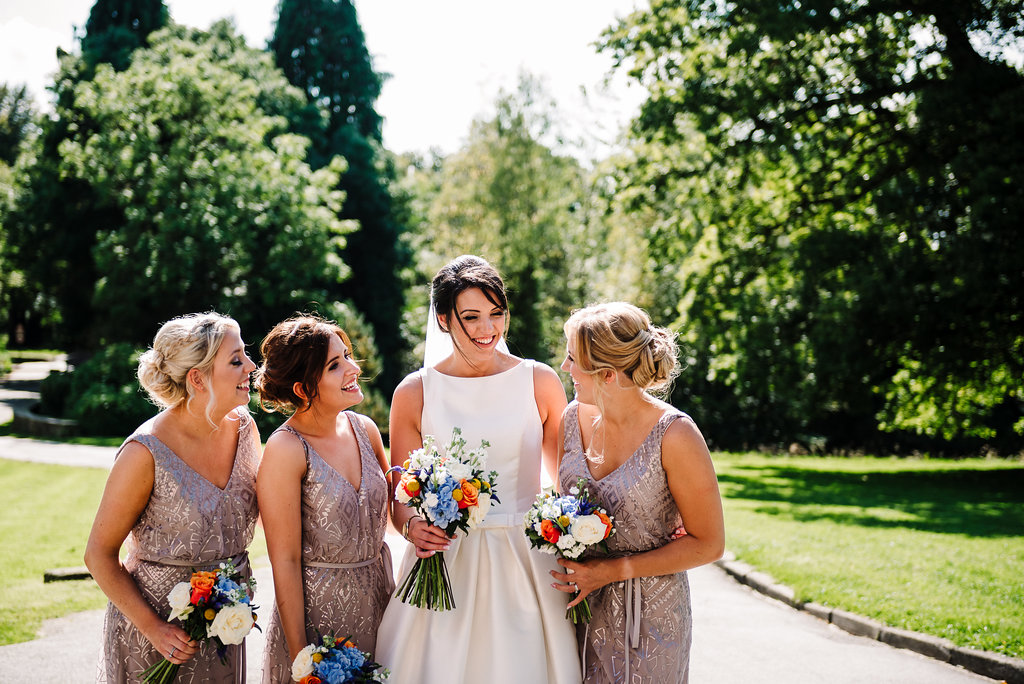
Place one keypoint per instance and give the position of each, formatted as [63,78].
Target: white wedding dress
[509,624]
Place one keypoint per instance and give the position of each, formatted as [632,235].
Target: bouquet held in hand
[215,605]
[450,489]
[567,526]
[335,661]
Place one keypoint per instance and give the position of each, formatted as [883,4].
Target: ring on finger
[173,649]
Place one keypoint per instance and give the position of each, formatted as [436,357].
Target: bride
[509,624]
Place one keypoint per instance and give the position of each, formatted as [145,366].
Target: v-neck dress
[508,625]
[189,524]
[640,632]
[346,566]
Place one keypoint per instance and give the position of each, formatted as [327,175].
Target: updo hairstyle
[619,336]
[181,344]
[464,273]
[295,351]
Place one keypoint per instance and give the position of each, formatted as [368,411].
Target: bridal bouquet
[567,526]
[335,661]
[449,488]
[214,604]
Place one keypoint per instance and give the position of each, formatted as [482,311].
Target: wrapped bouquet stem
[451,489]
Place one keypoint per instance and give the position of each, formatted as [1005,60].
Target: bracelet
[405,527]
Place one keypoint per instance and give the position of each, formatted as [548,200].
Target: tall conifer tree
[320,46]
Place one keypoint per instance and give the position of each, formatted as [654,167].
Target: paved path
[740,637]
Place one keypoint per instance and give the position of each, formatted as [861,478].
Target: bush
[102,394]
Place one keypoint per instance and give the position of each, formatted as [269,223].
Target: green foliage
[320,46]
[115,28]
[17,118]
[218,208]
[835,191]
[102,393]
[927,545]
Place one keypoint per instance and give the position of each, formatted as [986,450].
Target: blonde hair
[181,344]
[619,337]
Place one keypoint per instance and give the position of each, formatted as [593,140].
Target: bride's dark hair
[464,273]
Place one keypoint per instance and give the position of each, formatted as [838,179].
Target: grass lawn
[44,524]
[927,545]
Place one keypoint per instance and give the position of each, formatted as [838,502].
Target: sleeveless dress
[509,625]
[652,613]
[346,566]
[189,524]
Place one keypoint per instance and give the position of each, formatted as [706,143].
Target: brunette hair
[619,337]
[464,273]
[295,351]
[181,344]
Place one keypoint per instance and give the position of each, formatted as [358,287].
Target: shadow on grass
[976,503]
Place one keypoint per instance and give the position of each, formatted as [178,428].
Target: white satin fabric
[509,624]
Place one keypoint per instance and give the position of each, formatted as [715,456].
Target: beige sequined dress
[189,523]
[646,620]
[346,566]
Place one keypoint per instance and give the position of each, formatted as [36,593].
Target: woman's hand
[582,577]
[173,643]
[428,539]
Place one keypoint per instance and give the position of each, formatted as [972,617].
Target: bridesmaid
[323,495]
[182,493]
[648,465]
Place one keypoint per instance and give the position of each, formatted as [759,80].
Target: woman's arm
[551,402]
[279,492]
[404,431]
[694,487]
[125,497]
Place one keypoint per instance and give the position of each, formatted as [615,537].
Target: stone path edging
[994,665]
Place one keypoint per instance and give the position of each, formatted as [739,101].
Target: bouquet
[212,605]
[335,661]
[567,526]
[452,491]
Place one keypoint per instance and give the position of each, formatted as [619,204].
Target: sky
[447,59]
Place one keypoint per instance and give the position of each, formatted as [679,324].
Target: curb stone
[994,665]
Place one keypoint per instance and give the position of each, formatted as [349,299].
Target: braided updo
[619,336]
[180,345]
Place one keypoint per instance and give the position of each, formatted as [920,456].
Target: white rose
[303,664]
[479,512]
[588,529]
[231,624]
[180,600]
[401,496]
[458,470]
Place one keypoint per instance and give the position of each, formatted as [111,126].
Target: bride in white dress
[509,623]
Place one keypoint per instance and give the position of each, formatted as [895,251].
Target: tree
[116,28]
[840,185]
[510,198]
[55,219]
[320,46]
[17,119]
[219,209]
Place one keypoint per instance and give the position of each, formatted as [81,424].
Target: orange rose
[202,585]
[607,522]
[469,494]
[310,679]
[549,531]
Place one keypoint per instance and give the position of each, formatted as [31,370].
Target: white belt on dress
[502,520]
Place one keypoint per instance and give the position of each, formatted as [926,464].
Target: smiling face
[477,324]
[229,377]
[338,388]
